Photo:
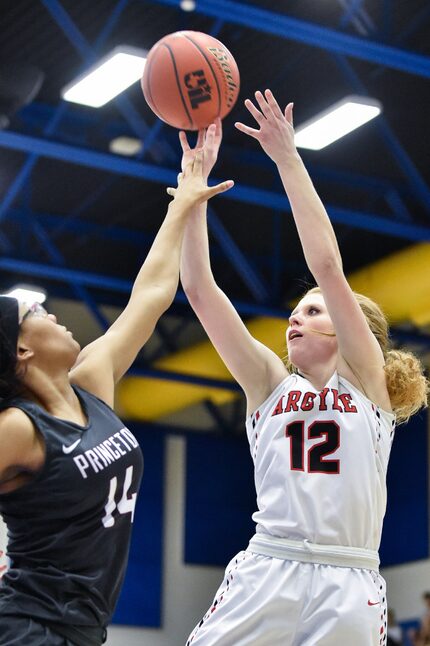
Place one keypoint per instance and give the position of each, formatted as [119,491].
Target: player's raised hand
[192,187]
[209,139]
[276,132]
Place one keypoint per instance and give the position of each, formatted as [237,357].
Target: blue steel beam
[239,193]
[66,24]
[169,338]
[36,114]
[49,129]
[397,205]
[217,416]
[64,275]
[363,23]
[401,157]
[417,21]
[98,281]
[26,169]
[110,23]
[415,179]
[277,257]
[113,284]
[350,12]
[110,284]
[85,157]
[126,108]
[57,258]
[311,34]
[248,274]
[103,35]
[62,224]
[387,20]
[152,373]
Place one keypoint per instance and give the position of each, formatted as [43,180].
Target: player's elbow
[327,266]
[191,289]
[196,286]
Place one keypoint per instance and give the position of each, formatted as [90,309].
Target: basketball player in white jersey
[320,431]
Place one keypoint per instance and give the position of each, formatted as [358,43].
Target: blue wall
[140,600]
[220,499]
[405,534]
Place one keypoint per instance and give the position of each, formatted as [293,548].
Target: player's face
[310,335]
[40,332]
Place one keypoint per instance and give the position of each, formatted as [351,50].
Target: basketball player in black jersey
[69,468]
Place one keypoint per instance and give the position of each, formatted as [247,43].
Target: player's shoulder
[19,448]
[14,420]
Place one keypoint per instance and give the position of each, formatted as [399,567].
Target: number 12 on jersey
[126,505]
[316,454]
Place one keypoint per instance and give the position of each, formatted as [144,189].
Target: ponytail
[407,386]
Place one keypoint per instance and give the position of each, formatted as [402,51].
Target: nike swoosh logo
[69,449]
[373,603]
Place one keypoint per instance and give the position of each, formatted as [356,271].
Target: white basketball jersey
[320,463]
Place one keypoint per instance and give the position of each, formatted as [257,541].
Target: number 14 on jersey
[126,505]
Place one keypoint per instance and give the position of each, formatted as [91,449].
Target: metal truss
[155,165]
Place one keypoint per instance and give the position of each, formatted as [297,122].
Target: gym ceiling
[79,219]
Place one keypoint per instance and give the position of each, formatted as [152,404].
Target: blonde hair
[407,385]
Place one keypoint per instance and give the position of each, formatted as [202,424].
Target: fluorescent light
[112,75]
[187,5]
[128,146]
[27,294]
[335,122]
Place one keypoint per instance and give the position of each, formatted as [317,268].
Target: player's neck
[318,376]
[49,391]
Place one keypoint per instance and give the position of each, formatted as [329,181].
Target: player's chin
[76,346]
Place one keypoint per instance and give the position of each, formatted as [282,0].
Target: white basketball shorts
[266,601]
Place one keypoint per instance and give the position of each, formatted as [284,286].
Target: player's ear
[24,352]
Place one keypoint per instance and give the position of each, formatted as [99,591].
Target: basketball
[190,79]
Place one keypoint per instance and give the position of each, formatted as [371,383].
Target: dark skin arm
[23,449]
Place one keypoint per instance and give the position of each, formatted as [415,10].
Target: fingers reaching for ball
[211,191]
[275,131]
[209,139]
[192,188]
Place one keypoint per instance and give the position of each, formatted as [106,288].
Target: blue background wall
[405,534]
[140,600]
[220,499]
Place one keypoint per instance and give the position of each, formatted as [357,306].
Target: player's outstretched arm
[256,368]
[102,363]
[358,346]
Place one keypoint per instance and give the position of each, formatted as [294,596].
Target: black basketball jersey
[69,528]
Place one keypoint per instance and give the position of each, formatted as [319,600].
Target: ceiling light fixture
[113,74]
[187,5]
[27,294]
[335,122]
[127,146]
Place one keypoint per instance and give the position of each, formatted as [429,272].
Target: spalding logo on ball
[190,79]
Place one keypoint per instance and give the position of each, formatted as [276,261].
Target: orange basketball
[190,78]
